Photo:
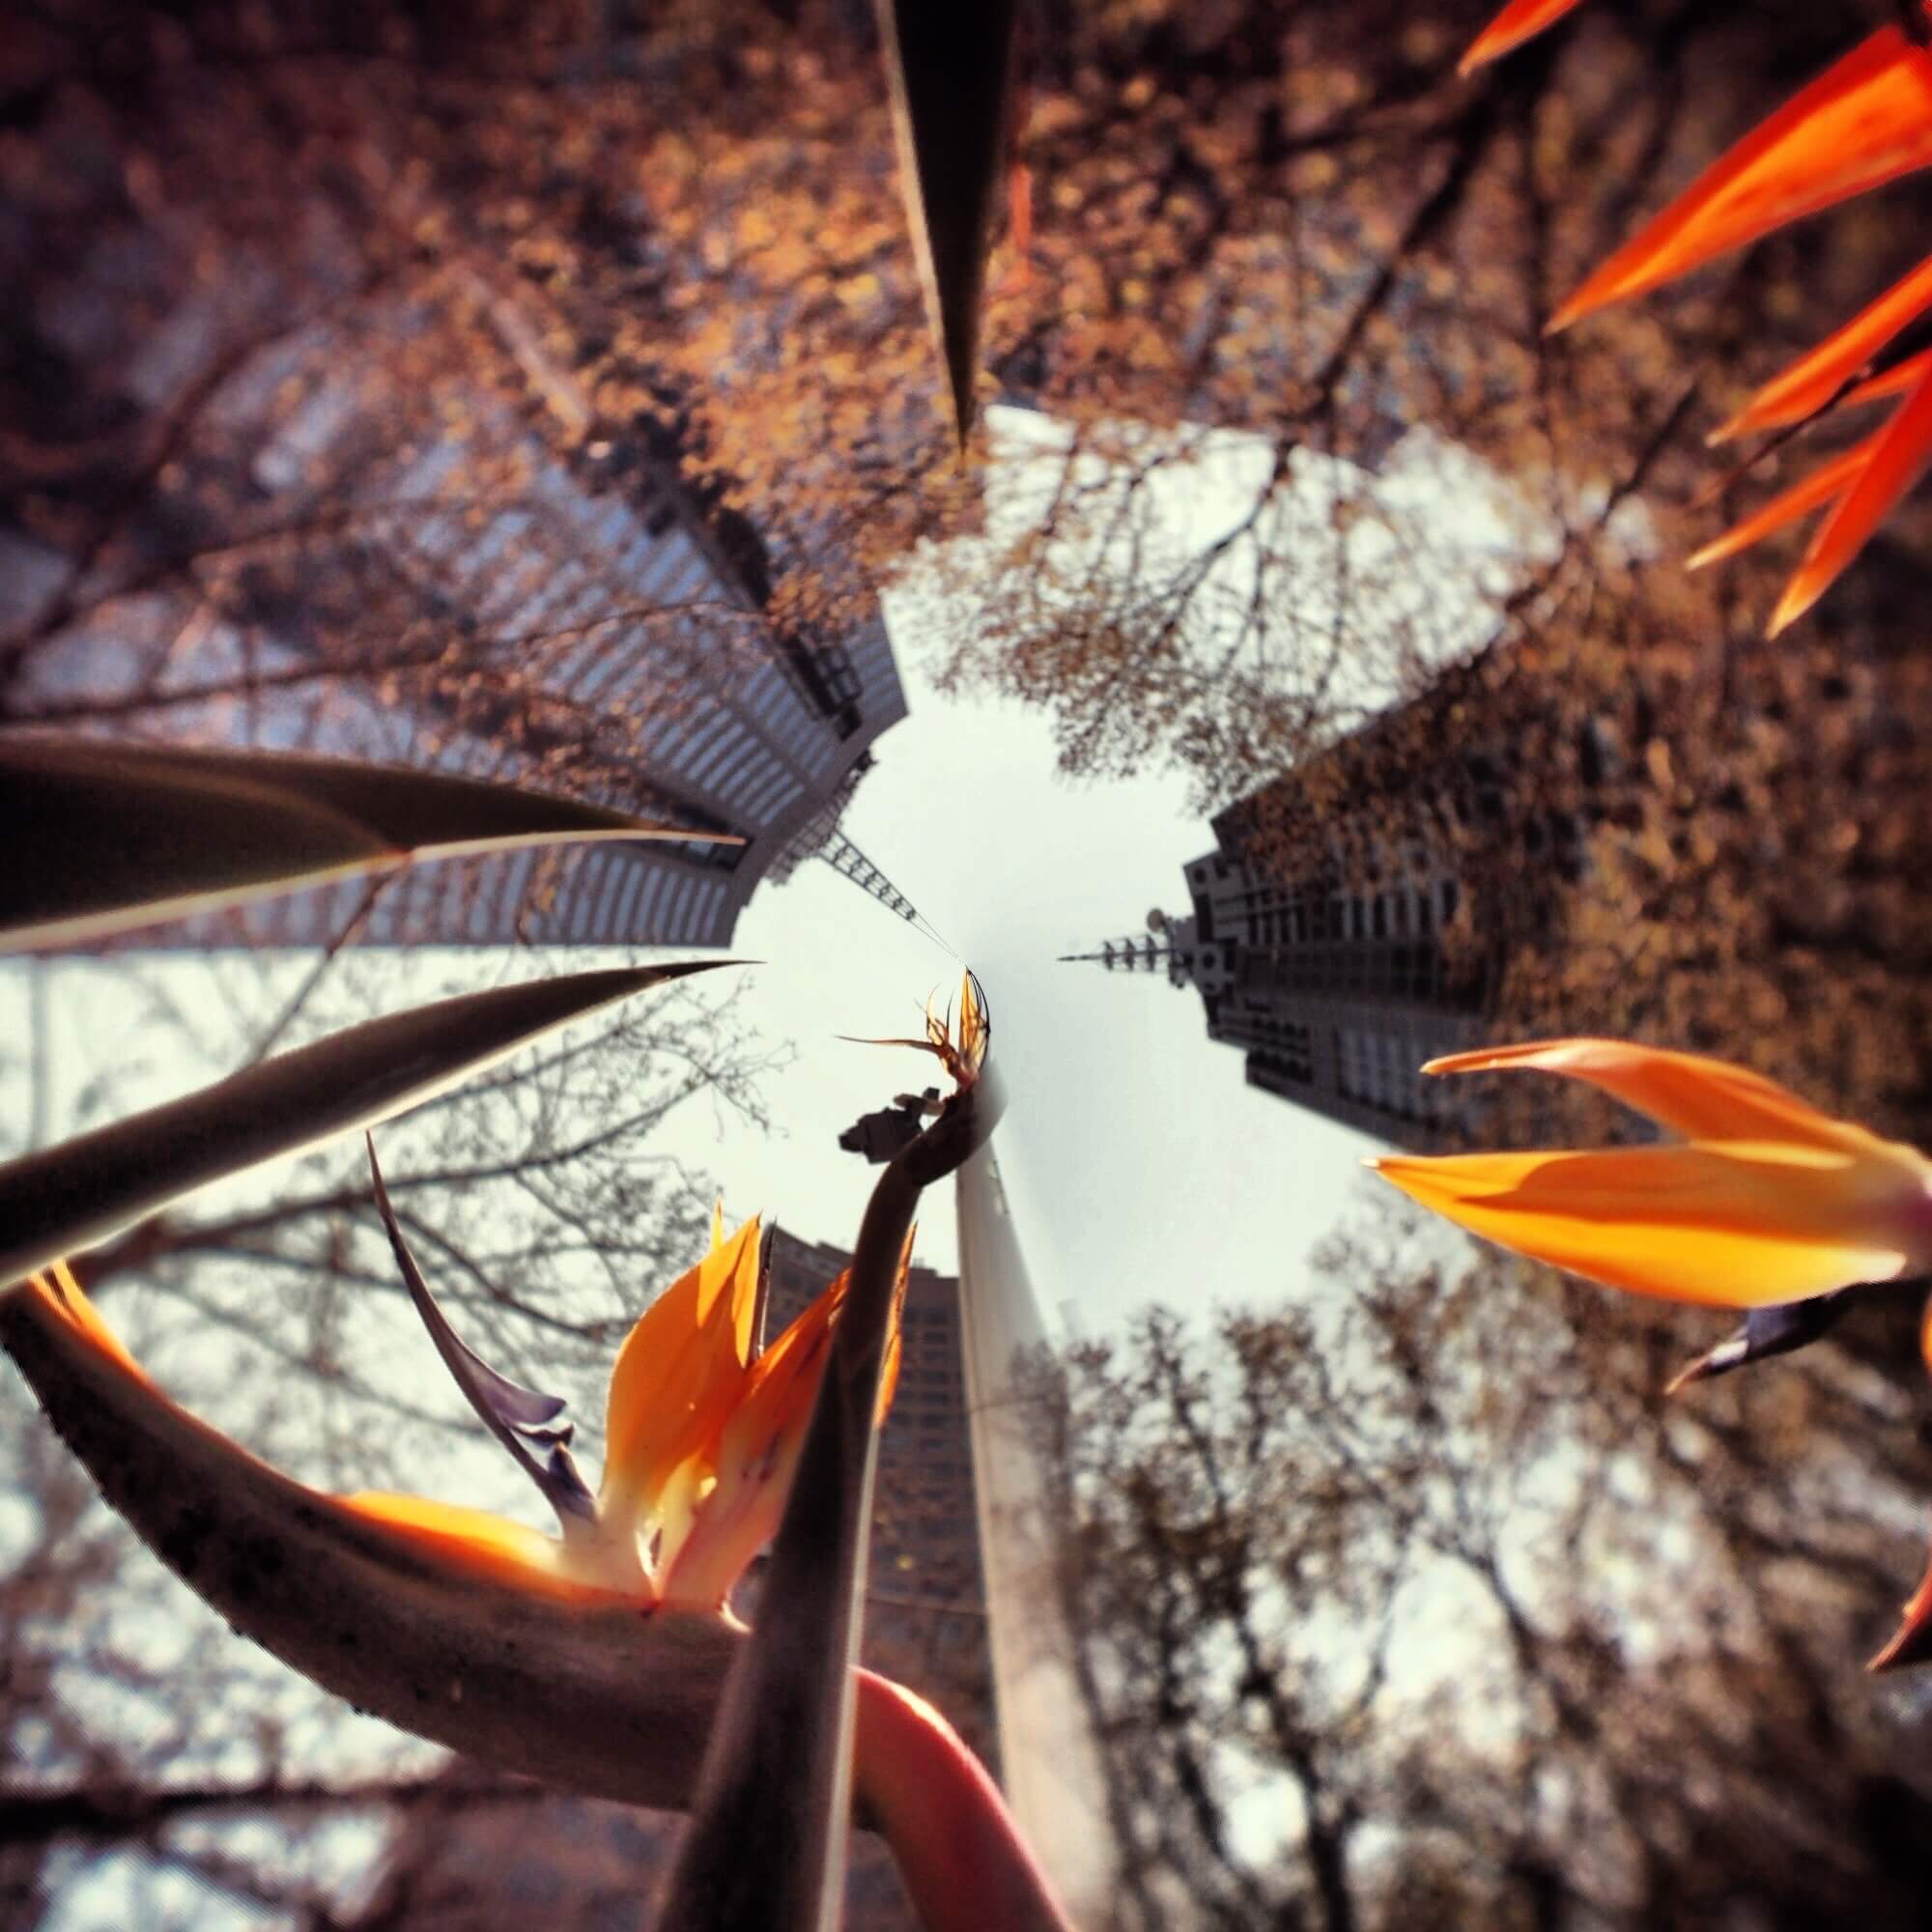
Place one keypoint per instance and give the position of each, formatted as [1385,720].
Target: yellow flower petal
[1738,1226]
[756,1455]
[679,1370]
[758,1448]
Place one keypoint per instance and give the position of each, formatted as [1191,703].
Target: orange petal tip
[1864,122]
[1520,22]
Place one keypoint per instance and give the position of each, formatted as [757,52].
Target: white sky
[1138,1165]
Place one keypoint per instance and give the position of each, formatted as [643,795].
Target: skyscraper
[1350,923]
[441,554]
[1335,998]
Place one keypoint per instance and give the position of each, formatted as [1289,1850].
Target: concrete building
[538,596]
[1335,998]
[1336,984]
[1052,1770]
[575,1865]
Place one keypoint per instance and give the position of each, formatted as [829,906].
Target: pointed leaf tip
[521,1419]
[1776,1329]
[949,73]
[65,1198]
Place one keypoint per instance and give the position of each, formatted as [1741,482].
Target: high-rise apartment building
[1349,923]
[448,559]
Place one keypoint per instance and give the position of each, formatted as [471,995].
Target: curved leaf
[67,1197]
[106,835]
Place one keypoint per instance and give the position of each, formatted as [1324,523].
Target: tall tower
[545,598]
[1336,991]
[1050,1763]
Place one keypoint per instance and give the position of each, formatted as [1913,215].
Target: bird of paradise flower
[1864,122]
[605,1658]
[1765,1205]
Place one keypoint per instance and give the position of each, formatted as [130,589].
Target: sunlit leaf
[65,1198]
[106,835]
[950,72]
[1865,120]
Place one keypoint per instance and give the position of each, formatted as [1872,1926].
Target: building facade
[462,1863]
[1334,997]
[1338,961]
[432,551]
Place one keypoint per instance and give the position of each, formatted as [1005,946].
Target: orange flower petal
[1893,382]
[758,1450]
[66,1296]
[1815,378]
[1827,481]
[1735,1227]
[490,1546]
[680,1370]
[1693,1095]
[1904,449]
[1518,21]
[1912,1641]
[1864,120]
[756,1456]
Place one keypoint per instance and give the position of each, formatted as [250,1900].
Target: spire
[1142,952]
[849,863]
